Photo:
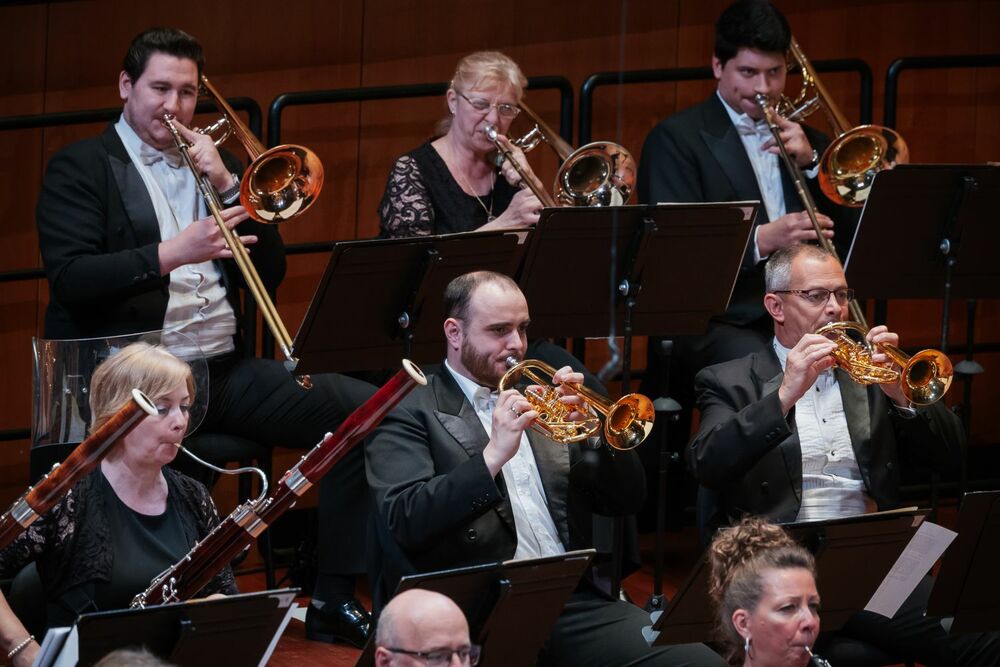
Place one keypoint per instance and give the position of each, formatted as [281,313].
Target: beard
[482,367]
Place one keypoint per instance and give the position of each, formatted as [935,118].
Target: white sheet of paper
[926,546]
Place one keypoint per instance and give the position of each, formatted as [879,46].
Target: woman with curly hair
[764,588]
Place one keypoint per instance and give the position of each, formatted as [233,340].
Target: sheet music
[277,635]
[926,546]
[50,647]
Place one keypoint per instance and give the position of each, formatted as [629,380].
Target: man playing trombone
[128,247]
[784,436]
[722,150]
[458,479]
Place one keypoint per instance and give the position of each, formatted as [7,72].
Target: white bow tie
[150,156]
[486,400]
[746,125]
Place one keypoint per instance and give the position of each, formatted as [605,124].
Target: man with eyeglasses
[420,627]
[786,436]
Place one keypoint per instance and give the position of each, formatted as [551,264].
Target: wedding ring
[516,413]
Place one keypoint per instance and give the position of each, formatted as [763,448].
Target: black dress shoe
[349,623]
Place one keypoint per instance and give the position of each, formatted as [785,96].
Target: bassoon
[41,497]
[187,577]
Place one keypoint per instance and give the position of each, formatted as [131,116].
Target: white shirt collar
[473,391]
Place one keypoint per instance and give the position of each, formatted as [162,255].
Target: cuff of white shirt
[757,259]
[905,411]
[811,173]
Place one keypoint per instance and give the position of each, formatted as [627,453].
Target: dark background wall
[60,56]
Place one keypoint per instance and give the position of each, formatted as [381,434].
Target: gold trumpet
[627,422]
[849,165]
[924,378]
[279,184]
[601,173]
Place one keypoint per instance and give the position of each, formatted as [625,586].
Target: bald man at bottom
[421,627]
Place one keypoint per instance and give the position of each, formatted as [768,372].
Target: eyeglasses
[441,657]
[818,296]
[483,106]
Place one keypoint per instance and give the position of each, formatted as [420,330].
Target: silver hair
[778,270]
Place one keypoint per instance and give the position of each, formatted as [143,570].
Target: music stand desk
[852,554]
[235,630]
[967,586]
[510,606]
[379,300]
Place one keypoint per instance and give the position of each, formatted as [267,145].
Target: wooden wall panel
[66,55]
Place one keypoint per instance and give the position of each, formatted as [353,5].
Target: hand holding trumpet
[514,413]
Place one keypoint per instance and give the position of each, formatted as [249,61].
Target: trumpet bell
[281,183]
[849,165]
[601,173]
[629,421]
[927,377]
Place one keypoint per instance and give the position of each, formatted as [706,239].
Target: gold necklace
[489,211]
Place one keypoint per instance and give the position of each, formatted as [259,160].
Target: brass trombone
[924,379]
[602,173]
[627,421]
[279,184]
[849,165]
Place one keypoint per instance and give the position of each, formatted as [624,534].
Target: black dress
[422,198]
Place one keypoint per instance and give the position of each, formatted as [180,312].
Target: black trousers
[593,630]
[259,400]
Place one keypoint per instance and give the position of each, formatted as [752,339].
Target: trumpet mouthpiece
[490,131]
[511,361]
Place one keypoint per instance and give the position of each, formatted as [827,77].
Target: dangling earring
[747,646]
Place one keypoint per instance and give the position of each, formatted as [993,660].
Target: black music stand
[510,606]
[853,555]
[236,630]
[928,231]
[380,300]
[967,587]
[591,271]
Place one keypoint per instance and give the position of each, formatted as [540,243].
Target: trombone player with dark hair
[722,150]
[128,247]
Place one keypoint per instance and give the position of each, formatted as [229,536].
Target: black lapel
[135,197]
[552,459]
[770,375]
[459,418]
[722,139]
[859,425]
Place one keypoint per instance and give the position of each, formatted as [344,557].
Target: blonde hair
[149,368]
[738,556]
[486,67]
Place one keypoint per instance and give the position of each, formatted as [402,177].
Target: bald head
[419,620]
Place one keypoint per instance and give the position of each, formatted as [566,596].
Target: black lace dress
[422,198]
[74,544]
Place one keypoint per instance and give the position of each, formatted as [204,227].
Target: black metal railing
[900,65]
[678,74]
[371,93]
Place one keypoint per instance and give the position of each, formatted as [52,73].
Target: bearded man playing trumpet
[458,479]
[785,435]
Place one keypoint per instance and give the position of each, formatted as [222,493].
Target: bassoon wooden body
[41,497]
[208,557]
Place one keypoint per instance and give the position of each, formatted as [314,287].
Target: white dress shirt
[832,485]
[197,298]
[536,531]
[766,166]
